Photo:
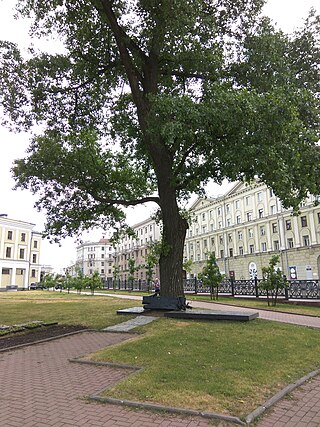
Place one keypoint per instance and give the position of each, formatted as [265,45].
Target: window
[247,200]
[102,270]
[102,248]
[5,271]
[221,253]
[203,217]
[190,233]
[249,216]
[8,252]
[276,246]
[228,208]
[271,193]
[240,235]
[9,235]
[259,196]
[109,271]
[318,217]
[262,230]
[260,213]
[273,209]
[230,237]
[221,240]
[228,222]
[33,273]
[21,253]
[238,219]
[290,242]
[211,227]
[205,243]
[240,250]
[231,252]
[23,237]
[251,249]
[204,229]
[250,233]
[212,241]
[306,241]
[35,244]
[219,211]
[263,247]
[274,227]
[237,204]
[288,224]
[220,224]
[102,263]
[34,258]
[304,222]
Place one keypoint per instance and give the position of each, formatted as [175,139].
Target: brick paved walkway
[39,387]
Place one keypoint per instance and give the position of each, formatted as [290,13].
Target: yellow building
[19,254]
[246,226]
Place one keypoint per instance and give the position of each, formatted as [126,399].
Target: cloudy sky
[288,14]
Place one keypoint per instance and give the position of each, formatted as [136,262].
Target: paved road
[39,387]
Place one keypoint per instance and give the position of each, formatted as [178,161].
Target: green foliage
[132,269]
[211,276]
[79,281]
[48,281]
[151,260]
[187,265]
[94,282]
[273,280]
[115,275]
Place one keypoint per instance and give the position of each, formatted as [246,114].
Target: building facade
[95,256]
[19,254]
[137,248]
[246,226]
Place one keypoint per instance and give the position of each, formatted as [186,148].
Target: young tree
[211,276]
[148,101]
[94,282]
[151,260]
[273,280]
[132,269]
[115,275]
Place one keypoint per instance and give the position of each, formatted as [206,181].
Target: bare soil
[37,334]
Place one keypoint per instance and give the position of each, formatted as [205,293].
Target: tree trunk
[171,259]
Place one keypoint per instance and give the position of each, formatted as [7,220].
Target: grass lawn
[225,367]
[259,304]
[91,311]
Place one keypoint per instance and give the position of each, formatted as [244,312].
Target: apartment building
[246,226]
[95,256]
[19,254]
[137,248]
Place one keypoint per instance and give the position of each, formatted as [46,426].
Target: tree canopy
[151,99]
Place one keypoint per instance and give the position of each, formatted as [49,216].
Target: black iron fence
[296,289]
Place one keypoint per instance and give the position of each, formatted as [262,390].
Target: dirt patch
[37,334]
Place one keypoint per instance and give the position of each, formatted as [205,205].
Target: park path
[39,387]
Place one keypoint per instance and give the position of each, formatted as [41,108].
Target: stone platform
[242,316]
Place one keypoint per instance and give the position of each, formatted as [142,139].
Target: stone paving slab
[236,316]
[39,387]
[131,324]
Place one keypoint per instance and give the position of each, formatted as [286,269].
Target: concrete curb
[280,395]
[168,409]
[111,364]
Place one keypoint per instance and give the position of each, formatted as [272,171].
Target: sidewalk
[39,387]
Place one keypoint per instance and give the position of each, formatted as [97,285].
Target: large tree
[150,99]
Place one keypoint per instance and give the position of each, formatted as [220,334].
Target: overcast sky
[288,14]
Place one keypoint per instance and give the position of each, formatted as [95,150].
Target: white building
[95,256]
[19,254]
[248,225]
